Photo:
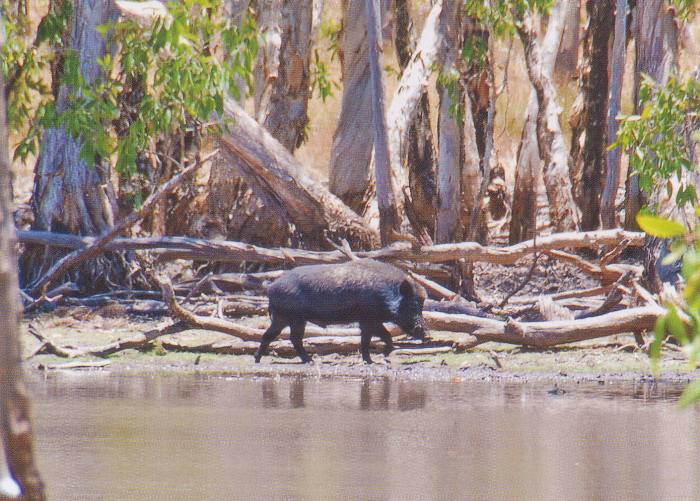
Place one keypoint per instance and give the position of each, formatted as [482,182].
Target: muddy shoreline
[606,360]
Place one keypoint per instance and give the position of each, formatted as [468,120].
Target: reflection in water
[196,437]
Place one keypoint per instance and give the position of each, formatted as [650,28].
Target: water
[109,437]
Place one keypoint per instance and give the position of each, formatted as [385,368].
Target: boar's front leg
[385,336]
[369,329]
[296,334]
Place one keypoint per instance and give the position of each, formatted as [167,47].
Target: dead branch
[139,341]
[77,257]
[551,333]
[49,346]
[522,284]
[75,365]
[433,288]
[613,298]
[312,208]
[233,282]
[595,291]
[209,323]
[606,274]
[229,251]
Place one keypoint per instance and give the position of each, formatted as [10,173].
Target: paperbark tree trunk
[567,56]
[282,73]
[656,54]
[608,216]
[477,80]
[447,228]
[523,224]
[389,218]
[589,122]
[563,212]
[350,177]
[18,473]
[69,195]
[419,155]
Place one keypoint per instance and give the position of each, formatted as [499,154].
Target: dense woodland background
[498,121]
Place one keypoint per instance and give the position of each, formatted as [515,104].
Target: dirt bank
[616,358]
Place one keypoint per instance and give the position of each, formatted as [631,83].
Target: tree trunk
[449,131]
[282,88]
[567,57]
[389,218]
[608,216]
[589,124]
[656,54]
[420,153]
[655,30]
[350,177]
[236,10]
[18,473]
[471,177]
[523,224]
[563,212]
[70,196]
[477,80]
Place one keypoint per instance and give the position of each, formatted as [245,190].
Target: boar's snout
[418,330]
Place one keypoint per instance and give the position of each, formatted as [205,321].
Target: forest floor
[614,358]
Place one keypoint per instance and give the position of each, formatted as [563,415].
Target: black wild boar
[364,291]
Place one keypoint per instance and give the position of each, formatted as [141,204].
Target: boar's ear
[406,288]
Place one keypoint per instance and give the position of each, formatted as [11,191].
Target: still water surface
[189,437]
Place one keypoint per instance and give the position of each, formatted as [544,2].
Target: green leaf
[659,226]
[676,326]
[690,395]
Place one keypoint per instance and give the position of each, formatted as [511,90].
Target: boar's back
[339,293]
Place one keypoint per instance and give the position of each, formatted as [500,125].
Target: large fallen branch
[546,334]
[229,251]
[315,211]
[97,247]
[138,341]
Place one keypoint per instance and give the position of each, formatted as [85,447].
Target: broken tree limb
[546,334]
[228,251]
[97,247]
[314,210]
[138,341]
[595,291]
[606,274]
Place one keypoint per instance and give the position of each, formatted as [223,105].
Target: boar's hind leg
[385,336]
[278,323]
[366,330]
[296,333]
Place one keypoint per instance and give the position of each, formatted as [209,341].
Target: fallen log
[594,291]
[235,252]
[138,341]
[315,211]
[233,282]
[547,334]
